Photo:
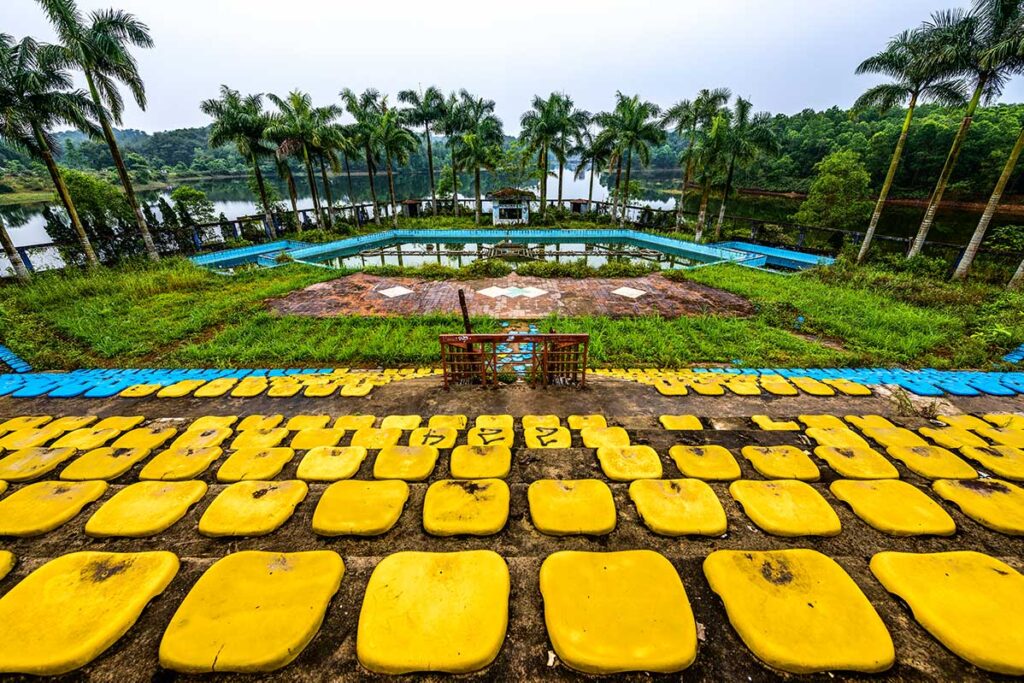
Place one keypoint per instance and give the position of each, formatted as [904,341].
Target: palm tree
[396,142]
[710,155]
[916,78]
[541,131]
[453,123]
[35,97]
[328,140]
[982,45]
[1017,281]
[13,255]
[636,128]
[426,109]
[687,117]
[750,136]
[100,48]
[481,140]
[365,109]
[593,152]
[243,122]
[295,128]
[570,121]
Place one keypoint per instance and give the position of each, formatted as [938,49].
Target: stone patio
[511,298]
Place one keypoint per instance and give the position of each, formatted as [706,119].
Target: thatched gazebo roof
[511,193]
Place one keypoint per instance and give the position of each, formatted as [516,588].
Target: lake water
[233,198]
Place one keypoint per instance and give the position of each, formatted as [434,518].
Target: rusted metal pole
[465,312]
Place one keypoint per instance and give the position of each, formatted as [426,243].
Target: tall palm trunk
[947,170]
[348,175]
[293,195]
[65,197]
[430,169]
[373,185]
[618,181]
[327,189]
[455,178]
[479,203]
[13,255]
[122,170]
[687,167]
[725,197]
[262,187]
[887,185]
[543,162]
[561,172]
[391,191]
[1017,281]
[971,251]
[625,191]
[705,197]
[590,192]
[314,193]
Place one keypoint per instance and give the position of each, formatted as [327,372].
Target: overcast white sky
[786,55]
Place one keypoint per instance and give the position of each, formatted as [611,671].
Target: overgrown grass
[176,314]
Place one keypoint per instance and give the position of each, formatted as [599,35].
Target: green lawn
[176,314]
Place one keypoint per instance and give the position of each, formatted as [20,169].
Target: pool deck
[360,294]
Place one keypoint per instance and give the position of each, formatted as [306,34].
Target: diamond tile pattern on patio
[392,292]
[512,297]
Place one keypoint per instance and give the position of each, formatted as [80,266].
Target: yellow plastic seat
[259,438]
[477,507]
[180,389]
[251,612]
[811,386]
[444,612]
[24,422]
[894,507]
[495,422]
[669,387]
[932,462]
[330,463]
[7,561]
[71,423]
[252,508]
[354,422]
[145,508]
[579,422]
[778,386]
[970,602]
[254,464]
[781,462]
[678,423]
[612,612]
[1005,420]
[598,437]
[848,387]
[456,422]
[103,464]
[863,422]
[711,463]
[409,463]
[32,463]
[998,505]
[122,423]
[964,422]
[1002,436]
[174,465]
[799,612]
[1005,462]
[283,389]
[742,387]
[894,437]
[952,437]
[535,421]
[837,438]
[406,423]
[563,508]
[360,508]
[547,437]
[436,437]
[857,463]
[626,463]
[23,439]
[360,389]
[216,387]
[300,422]
[786,507]
[316,437]
[193,438]
[490,436]
[212,422]
[70,610]
[260,422]
[678,507]
[321,390]
[769,425]
[250,387]
[145,437]
[822,421]
[41,507]
[481,462]
[86,439]
[375,439]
